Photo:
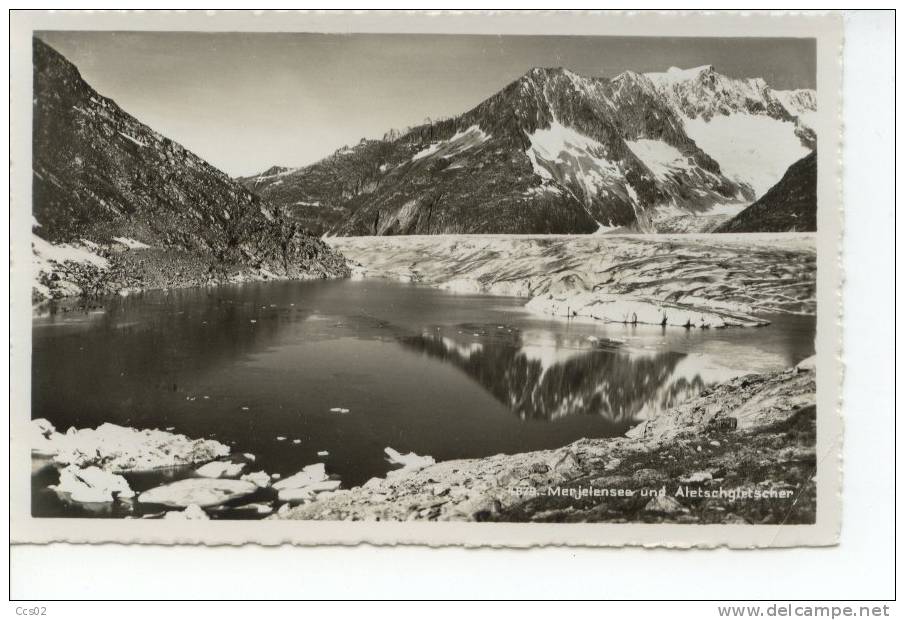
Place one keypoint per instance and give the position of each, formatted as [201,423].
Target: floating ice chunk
[294,496]
[310,474]
[410,461]
[91,485]
[259,478]
[122,449]
[191,513]
[807,364]
[323,453]
[220,469]
[201,491]
[307,492]
[44,438]
[339,410]
[258,508]
[280,438]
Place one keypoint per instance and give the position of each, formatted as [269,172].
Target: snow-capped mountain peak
[754,132]
[675,75]
[555,151]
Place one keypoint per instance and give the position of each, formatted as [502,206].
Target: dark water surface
[419,369]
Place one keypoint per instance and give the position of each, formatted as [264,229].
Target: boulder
[201,491]
[698,476]
[648,476]
[373,483]
[92,485]
[566,464]
[807,365]
[664,504]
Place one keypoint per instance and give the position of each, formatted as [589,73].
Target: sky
[248,101]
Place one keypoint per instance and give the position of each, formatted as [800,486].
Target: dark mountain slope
[790,205]
[100,174]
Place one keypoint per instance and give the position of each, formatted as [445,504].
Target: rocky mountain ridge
[555,152]
[789,206]
[117,206]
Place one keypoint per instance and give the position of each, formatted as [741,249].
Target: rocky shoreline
[743,451]
[92,270]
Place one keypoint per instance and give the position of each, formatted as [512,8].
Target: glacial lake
[351,367]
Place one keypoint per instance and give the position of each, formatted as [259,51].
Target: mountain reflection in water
[554,379]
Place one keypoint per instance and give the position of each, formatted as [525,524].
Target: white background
[861,567]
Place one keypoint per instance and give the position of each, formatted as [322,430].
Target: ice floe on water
[410,461]
[306,484]
[310,474]
[220,469]
[203,492]
[194,512]
[121,449]
[91,485]
[260,479]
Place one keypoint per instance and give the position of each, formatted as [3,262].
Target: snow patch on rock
[660,158]
[132,244]
[457,144]
[753,149]
[564,154]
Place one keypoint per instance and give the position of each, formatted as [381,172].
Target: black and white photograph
[369,277]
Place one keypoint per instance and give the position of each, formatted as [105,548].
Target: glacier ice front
[633,311]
